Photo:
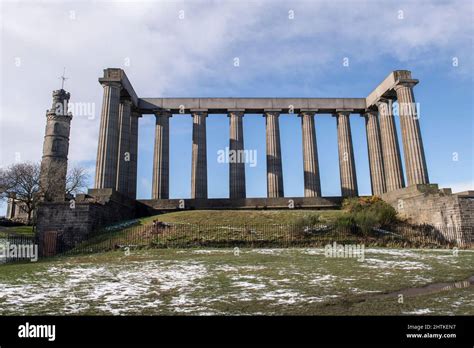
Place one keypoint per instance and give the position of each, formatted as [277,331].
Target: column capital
[111,84]
[126,101]
[271,113]
[162,113]
[202,112]
[306,113]
[368,113]
[341,112]
[236,112]
[384,105]
[405,83]
[383,100]
[136,113]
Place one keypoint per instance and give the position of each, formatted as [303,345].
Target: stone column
[312,183]
[199,161]
[132,176]
[236,160]
[106,165]
[390,148]
[11,208]
[123,155]
[274,166]
[374,147]
[415,163]
[346,155]
[160,189]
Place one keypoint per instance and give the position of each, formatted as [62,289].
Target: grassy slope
[230,228]
[213,226]
[225,228]
[240,217]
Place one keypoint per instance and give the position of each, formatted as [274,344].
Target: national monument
[113,197]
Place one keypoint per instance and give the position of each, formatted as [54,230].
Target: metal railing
[183,235]
[180,235]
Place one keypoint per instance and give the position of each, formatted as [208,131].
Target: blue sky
[187,49]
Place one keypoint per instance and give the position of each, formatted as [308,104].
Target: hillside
[242,217]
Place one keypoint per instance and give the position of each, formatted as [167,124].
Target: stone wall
[451,214]
[73,223]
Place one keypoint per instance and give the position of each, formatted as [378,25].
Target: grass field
[17,230]
[250,281]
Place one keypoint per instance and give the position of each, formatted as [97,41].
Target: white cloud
[172,56]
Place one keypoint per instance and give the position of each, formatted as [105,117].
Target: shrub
[356,204]
[385,213]
[367,213]
[308,220]
[345,221]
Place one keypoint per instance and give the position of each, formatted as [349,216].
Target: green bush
[345,221]
[366,220]
[308,220]
[367,213]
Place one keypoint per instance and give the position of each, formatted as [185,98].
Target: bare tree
[2,181]
[76,181]
[21,181]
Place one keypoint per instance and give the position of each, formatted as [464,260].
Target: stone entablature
[251,105]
